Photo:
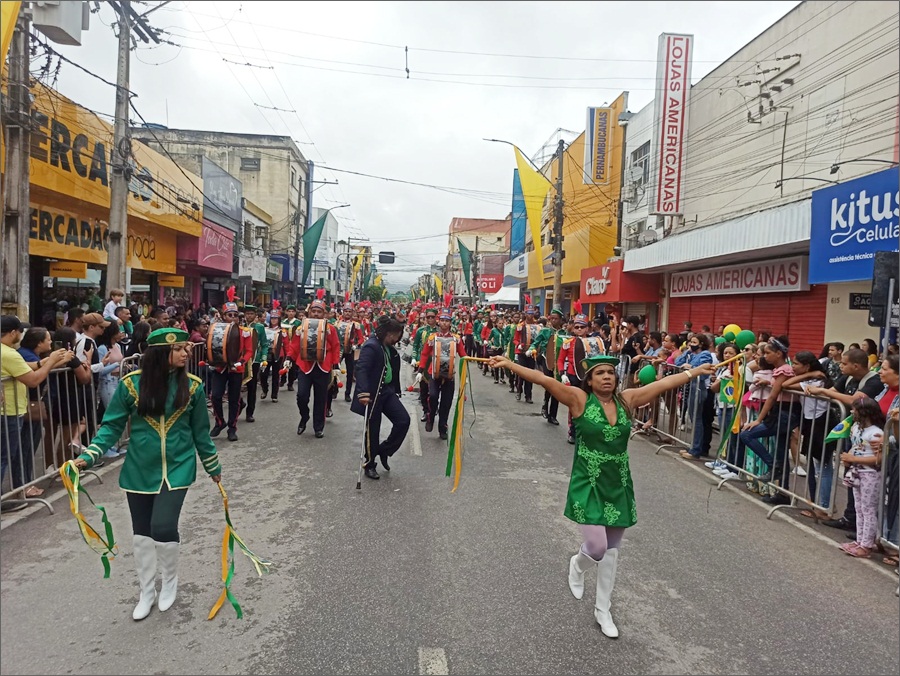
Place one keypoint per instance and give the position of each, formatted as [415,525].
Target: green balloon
[744,338]
[729,336]
[720,340]
[647,375]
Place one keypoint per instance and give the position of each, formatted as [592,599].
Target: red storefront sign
[214,249]
[609,283]
[490,283]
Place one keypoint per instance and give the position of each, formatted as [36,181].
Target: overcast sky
[341,67]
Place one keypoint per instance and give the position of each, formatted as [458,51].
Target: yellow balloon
[732,328]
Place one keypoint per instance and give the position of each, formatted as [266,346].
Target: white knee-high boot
[578,564]
[167,552]
[606,580]
[145,562]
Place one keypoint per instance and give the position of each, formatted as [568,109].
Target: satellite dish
[648,236]
[635,174]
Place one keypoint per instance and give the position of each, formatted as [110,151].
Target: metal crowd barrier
[804,468]
[58,412]
[888,516]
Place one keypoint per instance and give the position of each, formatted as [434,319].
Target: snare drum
[223,344]
[313,334]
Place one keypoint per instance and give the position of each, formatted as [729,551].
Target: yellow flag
[534,189]
[439,285]
[421,292]
[9,12]
[377,281]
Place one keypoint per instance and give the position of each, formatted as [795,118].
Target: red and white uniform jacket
[332,356]
[525,335]
[352,336]
[565,362]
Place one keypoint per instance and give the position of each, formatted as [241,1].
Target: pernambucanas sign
[673,85]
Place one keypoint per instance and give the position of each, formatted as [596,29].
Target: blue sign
[287,263]
[850,222]
[517,231]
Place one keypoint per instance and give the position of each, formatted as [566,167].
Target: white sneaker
[799,471]
[111,453]
[712,464]
[729,475]
[722,470]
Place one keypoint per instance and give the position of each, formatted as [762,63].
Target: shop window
[641,158]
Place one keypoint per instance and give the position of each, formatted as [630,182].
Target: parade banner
[535,187]
[597,142]
[519,218]
[673,84]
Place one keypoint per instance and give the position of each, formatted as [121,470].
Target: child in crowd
[861,473]
[116,298]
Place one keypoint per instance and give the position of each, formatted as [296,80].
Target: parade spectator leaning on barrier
[700,406]
[776,418]
[17,376]
[70,399]
[856,381]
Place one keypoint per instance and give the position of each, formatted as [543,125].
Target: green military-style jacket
[161,450]
[509,332]
[262,342]
[419,340]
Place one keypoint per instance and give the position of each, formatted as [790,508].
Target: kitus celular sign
[673,84]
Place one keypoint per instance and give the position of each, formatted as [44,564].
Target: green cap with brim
[587,365]
[167,337]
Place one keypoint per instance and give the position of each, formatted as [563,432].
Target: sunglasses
[231,315]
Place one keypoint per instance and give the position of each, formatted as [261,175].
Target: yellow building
[590,217]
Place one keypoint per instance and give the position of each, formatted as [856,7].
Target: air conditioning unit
[629,193]
[649,236]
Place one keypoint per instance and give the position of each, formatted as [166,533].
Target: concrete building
[271,169]
[481,236]
[807,106]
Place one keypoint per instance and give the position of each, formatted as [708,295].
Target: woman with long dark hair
[377,374]
[166,406]
[601,491]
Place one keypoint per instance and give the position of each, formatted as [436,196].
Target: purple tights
[597,539]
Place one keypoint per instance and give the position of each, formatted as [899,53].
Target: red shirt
[887,399]
[428,350]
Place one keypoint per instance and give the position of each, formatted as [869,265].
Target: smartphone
[57,345]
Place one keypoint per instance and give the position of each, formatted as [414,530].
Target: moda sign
[786,274]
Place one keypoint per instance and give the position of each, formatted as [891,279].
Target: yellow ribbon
[106,548]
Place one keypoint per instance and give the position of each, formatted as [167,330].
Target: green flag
[465,257]
[311,240]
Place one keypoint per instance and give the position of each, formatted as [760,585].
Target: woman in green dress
[601,492]
[166,406]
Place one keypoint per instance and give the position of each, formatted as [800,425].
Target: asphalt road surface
[404,577]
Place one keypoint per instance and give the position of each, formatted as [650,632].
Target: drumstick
[478,359]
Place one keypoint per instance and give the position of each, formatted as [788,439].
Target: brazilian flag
[726,391]
[841,430]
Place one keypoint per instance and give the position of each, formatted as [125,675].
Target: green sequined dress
[601,491]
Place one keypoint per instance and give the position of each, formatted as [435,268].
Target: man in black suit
[377,374]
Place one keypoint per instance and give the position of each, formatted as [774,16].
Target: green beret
[249,308]
[169,336]
[593,362]
[557,311]
[291,307]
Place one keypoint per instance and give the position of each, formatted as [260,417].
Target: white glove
[414,364]
[531,352]
[418,378]
[565,379]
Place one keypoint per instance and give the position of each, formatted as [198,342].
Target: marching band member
[291,323]
[601,491]
[525,334]
[546,346]
[419,340]
[262,349]
[565,363]
[166,407]
[230,376]
[438,361]
[316,351]
[351,338]
[276,336]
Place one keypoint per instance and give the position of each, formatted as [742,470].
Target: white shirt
[110,309]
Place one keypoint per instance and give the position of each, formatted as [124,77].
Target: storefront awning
[507,295]
[783,230]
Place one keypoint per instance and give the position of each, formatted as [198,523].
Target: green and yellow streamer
[106,548]
[229,538]
[455,450]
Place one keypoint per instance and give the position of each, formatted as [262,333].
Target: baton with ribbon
[106,548]
[229,538]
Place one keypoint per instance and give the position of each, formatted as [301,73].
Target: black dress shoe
[216,431]
[347,396]
[384,463]
[250,418]
[841,523]
[777,499]
[290,388]
[528,400]
[232,434]
[301,428]
[274,400]
[543,411]
[443,434]
[371,473]
[424,418]
[329,413]
[319,434]
[263,395]
[552,420]
[429,425]
[518,397]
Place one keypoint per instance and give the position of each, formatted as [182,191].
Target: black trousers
[440,399]
[251,390]
[527,362]
[219,384]
[349,364]
[393,409]
[317,382]
[550,401]
[423,394]
[273,371]
[155,515]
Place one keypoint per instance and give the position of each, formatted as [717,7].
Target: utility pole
[557,236]
[17,209]
[121,161]
[298,237]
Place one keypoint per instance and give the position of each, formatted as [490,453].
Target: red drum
[223,344]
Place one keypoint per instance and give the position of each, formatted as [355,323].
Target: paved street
[403,577]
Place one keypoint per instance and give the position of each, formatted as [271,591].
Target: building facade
[488,241]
